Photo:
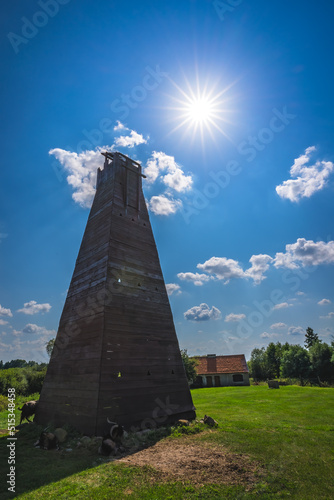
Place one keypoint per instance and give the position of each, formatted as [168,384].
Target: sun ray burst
[199,110]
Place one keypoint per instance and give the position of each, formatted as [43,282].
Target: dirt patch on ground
[198,463]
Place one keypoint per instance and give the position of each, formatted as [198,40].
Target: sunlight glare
[201,110]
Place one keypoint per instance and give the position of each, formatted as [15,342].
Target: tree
[321,364]
[49,346]
[15,363]
[274,354]
[189,366]
[310,338]
[259,364]
[296,363]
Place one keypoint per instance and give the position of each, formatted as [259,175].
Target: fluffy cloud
[225,269]
[33,308]
[282,305]
[324,302]
[296,330]
[82,170]
[5,312]
[129,141]
[329,316]
[3,322]
[260,264]
[173,288]
[305,253]
[266,335]
[196,278]
[222,268]
[234,317]
[300,254]
[119,126]
[202,313]
[276,326]
[32,329]
[169,171]
[161,205]
[306,180]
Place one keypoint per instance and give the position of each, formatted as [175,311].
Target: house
[218,371]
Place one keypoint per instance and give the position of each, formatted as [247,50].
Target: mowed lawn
[289,432]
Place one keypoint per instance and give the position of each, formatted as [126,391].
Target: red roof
[235,363]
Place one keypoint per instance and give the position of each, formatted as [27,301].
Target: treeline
[21,363]
[313,363]
[26,377]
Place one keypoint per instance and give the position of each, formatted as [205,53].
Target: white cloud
[196,278]
[260,264]
[171,174]
[3,322]
[202,313]
[120,126]
[5,312]
[173,288]
[306,180]
[282,305]
[82,168]
[33,308]
[300,254]
[32,329]
[266,335]
[178,181]
[31,349]
[7,347]
[129,141]
[285,260]
[329,316]
[161,205]
[234,317]
[226,269]
[324,302]
[82,171]
[296,330]
[222,268]
[306,253]
[276,326]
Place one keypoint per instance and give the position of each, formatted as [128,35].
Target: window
[238,378]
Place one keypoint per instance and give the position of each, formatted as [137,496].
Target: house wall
[223,379]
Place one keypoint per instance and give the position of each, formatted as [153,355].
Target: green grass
[289,432]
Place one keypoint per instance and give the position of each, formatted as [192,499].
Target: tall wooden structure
[116,353]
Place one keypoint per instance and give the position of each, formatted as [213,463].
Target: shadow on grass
[35,467]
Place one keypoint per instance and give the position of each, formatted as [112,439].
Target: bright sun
[200,110]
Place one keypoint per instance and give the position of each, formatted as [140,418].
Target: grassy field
[288,433]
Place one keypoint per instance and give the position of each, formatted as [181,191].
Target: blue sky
[229,108]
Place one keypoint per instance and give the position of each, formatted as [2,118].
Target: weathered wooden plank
[116,349]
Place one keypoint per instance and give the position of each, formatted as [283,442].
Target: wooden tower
[116,353]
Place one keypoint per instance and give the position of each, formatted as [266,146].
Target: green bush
[3,403]
[15,378]
[35,379]
[24,380]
